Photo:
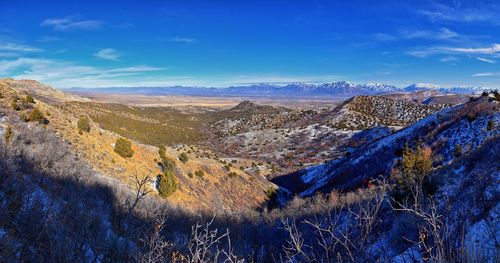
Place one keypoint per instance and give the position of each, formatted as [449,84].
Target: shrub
[271,193]
[167,184]
[491,125]
[200,173]
[29,99]
[9,134]
[183,157]
[168,163]
[123,147]
[471,116]
[190,174]
[23,117]
[458,150]
[37,115]
[84,124]
[227,167]
[14,106]
[416,165]
[497,95]
[162,152]
[232,174]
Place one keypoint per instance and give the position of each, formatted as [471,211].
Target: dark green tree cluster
[167,182]
[123,147]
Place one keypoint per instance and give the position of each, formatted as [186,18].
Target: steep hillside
[288,140]
[216,189]
[363,112]
[41,91]
[465,126]
[430,97]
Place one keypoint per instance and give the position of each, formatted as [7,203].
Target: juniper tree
[123,147]
[84,124]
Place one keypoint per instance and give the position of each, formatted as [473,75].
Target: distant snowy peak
[421,86]
[459,90]
[465,90]
[298,89]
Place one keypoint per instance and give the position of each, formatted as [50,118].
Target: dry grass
[216,189]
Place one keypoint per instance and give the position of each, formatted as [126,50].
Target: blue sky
[220,43]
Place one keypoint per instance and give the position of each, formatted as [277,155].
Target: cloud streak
[491,61]
[13,47]
[69,24]
[108,54]
[463,11]
[441,34]
[183,40]
[425,52]
[67,74]
[486,74]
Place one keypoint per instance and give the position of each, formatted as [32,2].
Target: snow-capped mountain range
[334,89]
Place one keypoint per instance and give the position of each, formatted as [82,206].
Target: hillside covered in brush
[211,187]
[72,190]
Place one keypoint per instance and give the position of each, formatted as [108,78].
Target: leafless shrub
[204,245]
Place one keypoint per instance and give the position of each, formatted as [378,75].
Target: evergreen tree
[167,184]
[83,124]
[123,147]
[183,157]
[37,115]
[491,125]
[29,99]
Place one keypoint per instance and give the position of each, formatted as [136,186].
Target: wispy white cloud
[449,59]
[183,40]
[67,74]
[13,47]
[108,54]
[495,48]
[491,61]
[443,33]
[428,51]
[440,34]
[71,23]
[486,74]
[9,54]
[64,74]
[463,11]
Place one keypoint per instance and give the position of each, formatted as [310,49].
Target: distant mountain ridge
[334,89]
